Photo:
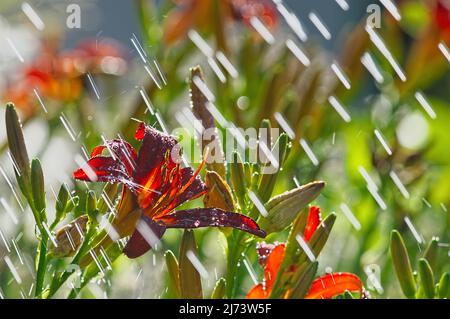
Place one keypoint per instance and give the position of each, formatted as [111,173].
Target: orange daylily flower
[271,257]
[331,285]
[58,76]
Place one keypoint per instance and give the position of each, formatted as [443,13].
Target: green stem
[42,265]
[81,252]
[235,248]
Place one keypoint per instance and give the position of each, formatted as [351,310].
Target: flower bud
[69,238]
[426,278]
[174,271]
[219,193]
[18,149]
[238,179]
[283,209]
[61,203]
[444,286]
[219,289]
[190,282]
[37,187]
[402,265]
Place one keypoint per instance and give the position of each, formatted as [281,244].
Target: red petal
[314,220]
[211,217]
[97,150]
[155,151]
[106,169]
[140,132]
[257,292]
[331,285]
[146,233]
[273,265]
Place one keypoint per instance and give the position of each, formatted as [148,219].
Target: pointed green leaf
[426,278]
[431,253]
[444,286]
[190,282]
[402,265]
[174,271]
[219,289]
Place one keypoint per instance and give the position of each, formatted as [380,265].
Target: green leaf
[426,278]
[219,289]
[402,265]
[190,282]
[431,253]
[174,271]
[444,286]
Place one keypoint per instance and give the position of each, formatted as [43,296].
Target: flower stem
[42,265]
[235,248]
[81,252]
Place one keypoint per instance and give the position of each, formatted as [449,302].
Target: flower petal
[331,285]
[211,217]
[115,168]
[273,265]
[157,148]
[257,292]
[314,220]
[147,233]
[102,169]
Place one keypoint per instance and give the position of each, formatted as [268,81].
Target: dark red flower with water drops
[158,183]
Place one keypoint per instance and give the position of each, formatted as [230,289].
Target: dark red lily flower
[158,183]
[271,257]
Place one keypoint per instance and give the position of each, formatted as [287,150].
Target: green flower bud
[238,179]
[444,286]
[190,282]
[174,271]
[426,278]
[18,149]
[284,208]
[219,289]
[38,188]
[402,265]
